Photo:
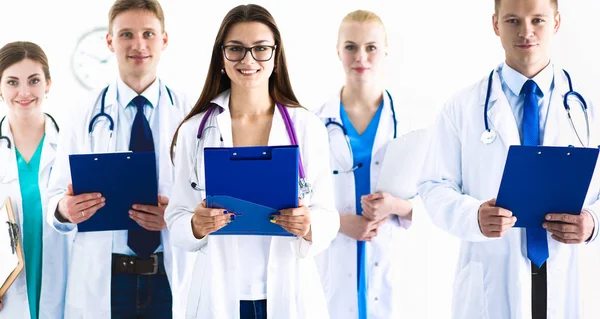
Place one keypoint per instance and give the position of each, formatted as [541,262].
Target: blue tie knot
[530,87]
[139,101]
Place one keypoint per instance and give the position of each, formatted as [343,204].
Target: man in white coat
[500,274]
[135,273]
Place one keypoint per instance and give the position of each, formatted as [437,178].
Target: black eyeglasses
[260,53]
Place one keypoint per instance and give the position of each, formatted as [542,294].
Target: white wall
[436,47]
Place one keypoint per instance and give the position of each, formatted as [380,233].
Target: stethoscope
[489,136]
[9,144]
[304,187]
[331,121]
[111,122]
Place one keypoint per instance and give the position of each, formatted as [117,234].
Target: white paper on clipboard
[402,164]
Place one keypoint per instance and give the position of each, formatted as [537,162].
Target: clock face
[92,63]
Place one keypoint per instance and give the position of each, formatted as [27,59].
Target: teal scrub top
[362,148]
[32,225]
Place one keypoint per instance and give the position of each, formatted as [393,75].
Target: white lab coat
[90,268]
[56,247]
[493,278]
[293,286]
[392,285]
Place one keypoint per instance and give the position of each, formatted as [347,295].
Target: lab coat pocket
[469,286]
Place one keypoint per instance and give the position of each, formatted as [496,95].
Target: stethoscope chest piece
[488,136]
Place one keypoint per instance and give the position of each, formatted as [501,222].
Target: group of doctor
[344,260]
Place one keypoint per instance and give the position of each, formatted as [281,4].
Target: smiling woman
[248,97]
[24,82]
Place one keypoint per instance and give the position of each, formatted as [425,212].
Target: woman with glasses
[247,100]
[361,269]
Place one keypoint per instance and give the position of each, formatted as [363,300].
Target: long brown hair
[280,88]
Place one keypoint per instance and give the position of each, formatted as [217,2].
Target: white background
[435,48]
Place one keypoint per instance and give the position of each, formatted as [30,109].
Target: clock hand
[95,57]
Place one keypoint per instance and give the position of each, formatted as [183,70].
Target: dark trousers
[253,309]
[136,296]
[539,295]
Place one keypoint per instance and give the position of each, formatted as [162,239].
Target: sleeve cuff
[63,228]
[189,241]
[596,225]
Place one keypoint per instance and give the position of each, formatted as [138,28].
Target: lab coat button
[376,163]
[349,275]
[376,264]
[376,298]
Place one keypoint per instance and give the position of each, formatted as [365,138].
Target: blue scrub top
[362,148]
[32,225]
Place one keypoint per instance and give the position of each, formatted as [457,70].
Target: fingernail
[231,217]
[134,207]
[544,225]
[99,195]
[225,212]
[103,199]
[130,212]
[548,217]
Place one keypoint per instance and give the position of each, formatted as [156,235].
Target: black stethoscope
[331,121]
[489,136]
[111,122]
[9,144]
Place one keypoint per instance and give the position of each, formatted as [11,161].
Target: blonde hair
[363,16]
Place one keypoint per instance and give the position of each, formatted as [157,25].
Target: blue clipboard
[253,182]
[123,179]
[538,180]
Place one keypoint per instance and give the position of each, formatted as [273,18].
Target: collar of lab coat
[277,136]
[501,119]
[385,129]
[48,148]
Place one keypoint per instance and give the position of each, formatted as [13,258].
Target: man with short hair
[135,273]
[506,272]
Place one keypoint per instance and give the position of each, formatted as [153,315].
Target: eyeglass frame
[249,49]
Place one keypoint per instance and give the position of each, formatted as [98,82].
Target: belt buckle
[155,266]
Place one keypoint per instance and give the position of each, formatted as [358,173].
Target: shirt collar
[125,94]
[515,80]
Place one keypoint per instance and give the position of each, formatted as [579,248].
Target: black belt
[137,266]
[539,289]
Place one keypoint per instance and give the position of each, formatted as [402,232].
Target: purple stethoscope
[304,186]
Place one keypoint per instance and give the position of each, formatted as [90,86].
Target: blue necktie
[537,242]
[143,242]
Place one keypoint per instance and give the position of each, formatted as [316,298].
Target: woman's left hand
[380,205]
[295,220]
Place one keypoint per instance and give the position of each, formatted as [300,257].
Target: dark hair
[16,52]
[280,87]
[121,6]
[497,5]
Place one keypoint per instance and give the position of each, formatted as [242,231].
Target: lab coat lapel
[49,148]
[500,116]
[558,131]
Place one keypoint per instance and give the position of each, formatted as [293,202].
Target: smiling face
[248,72]
[362,48]
[137,39]
[23,87]
[526,29]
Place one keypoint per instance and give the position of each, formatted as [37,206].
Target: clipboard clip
[13,233]
[305,187]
